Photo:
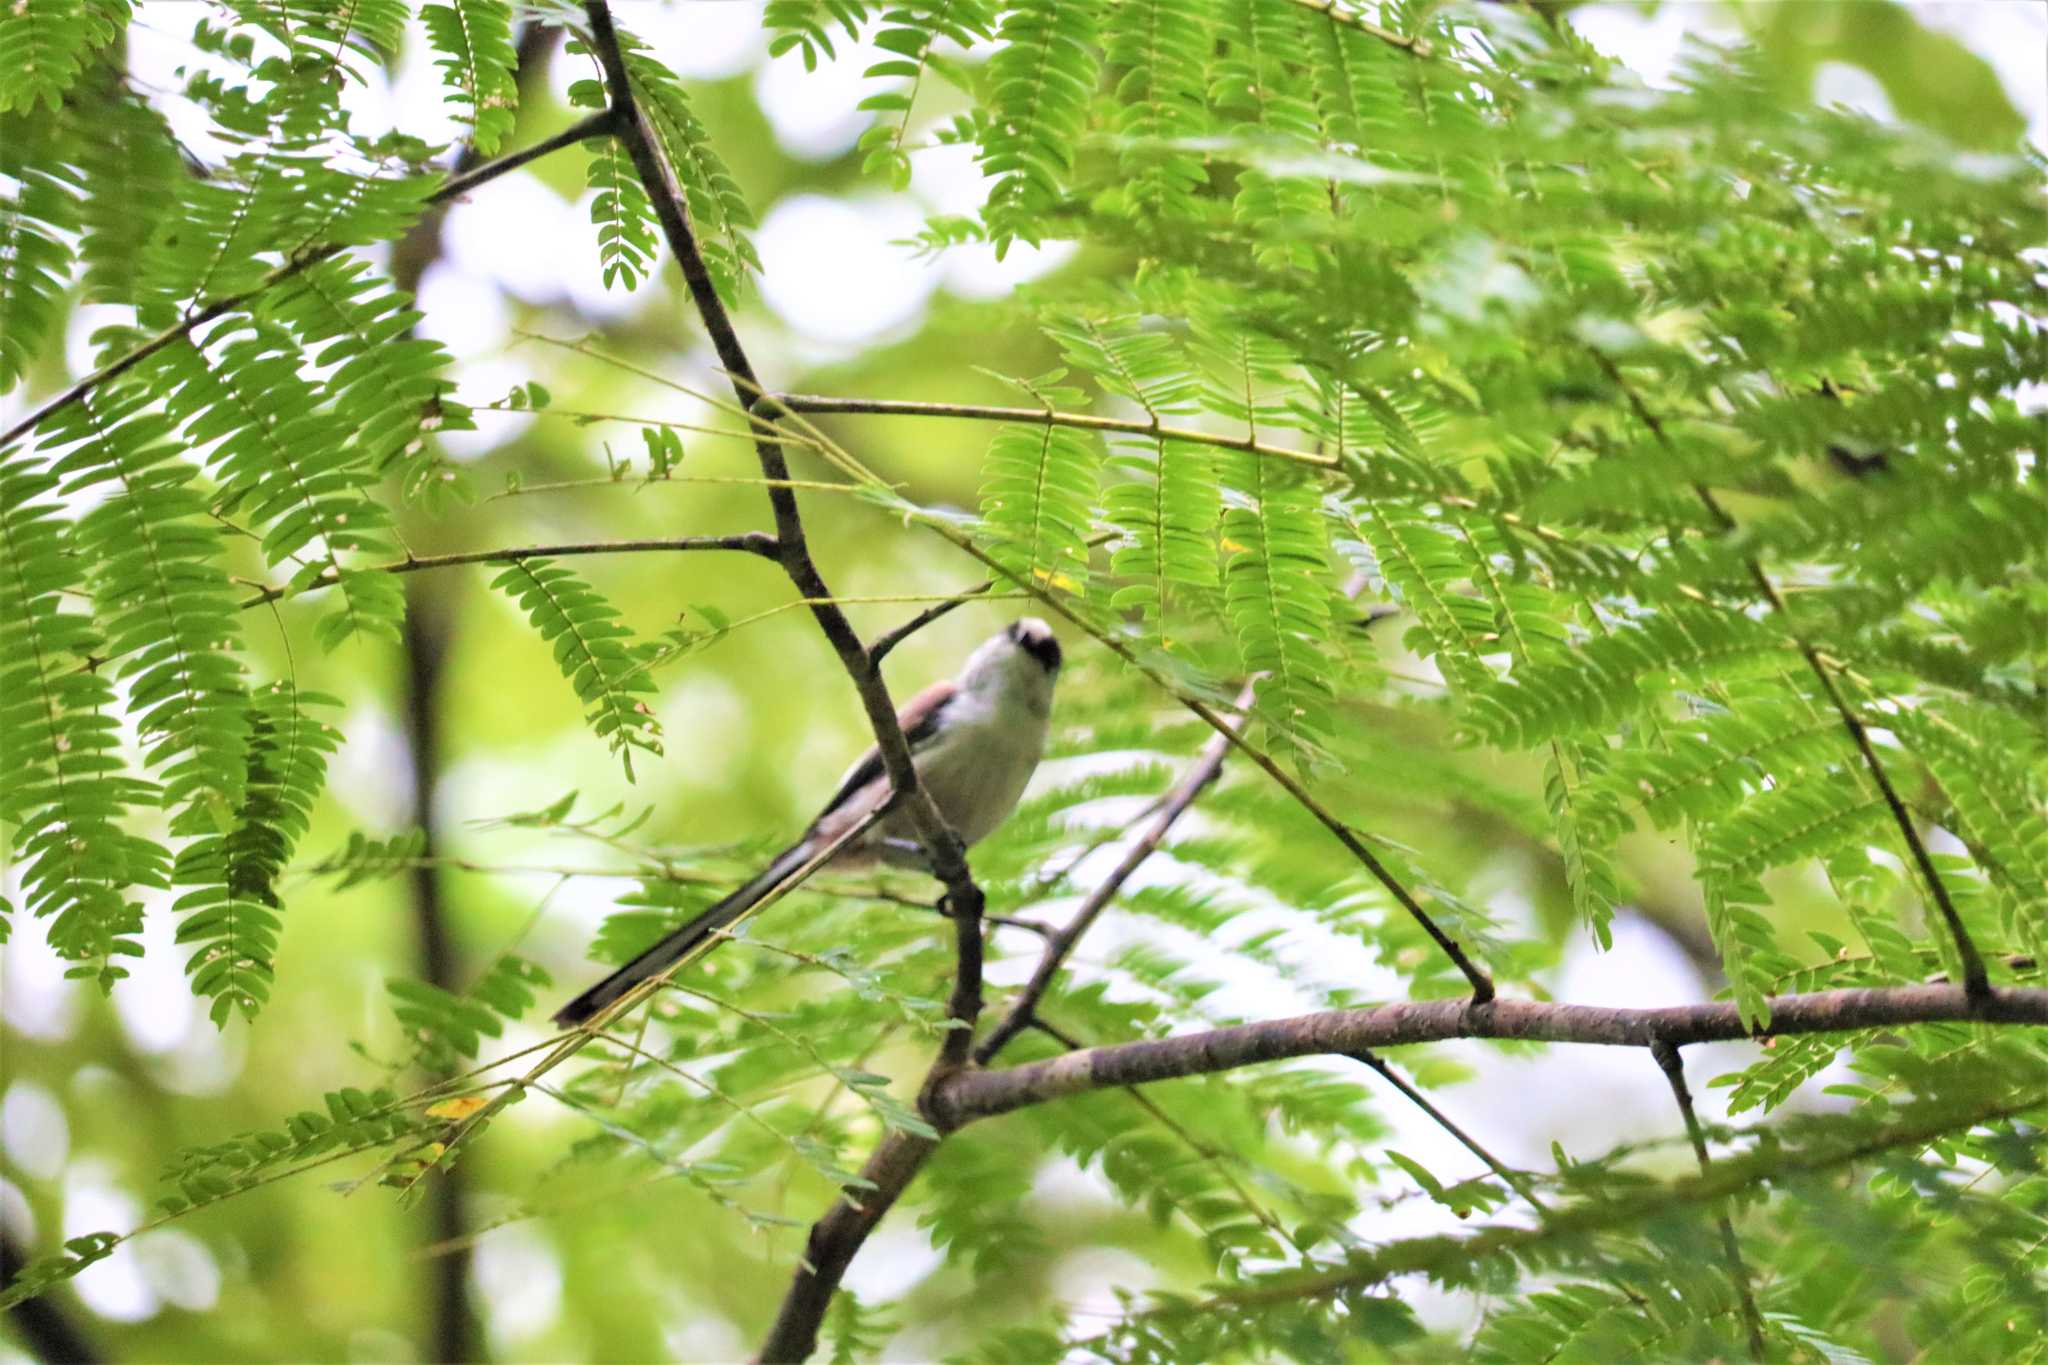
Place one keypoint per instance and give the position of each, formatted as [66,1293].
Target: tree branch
[1420,47]
[839,1235]
[948,856]
[1673,1067]
[453,187]
[971,1095]
[1191,786]
[833,1241]
[811,403]
[748,542]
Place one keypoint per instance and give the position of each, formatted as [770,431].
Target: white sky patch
[179,1268]
[1087,1279]
[830,270]
[702,1335]
[487,379]
[1852,87]
[814,113]
[33,1130]
[895,1258]
[39,1003]
[510,231]
[416,98]
[704,42]
[372,770]
[521,1279]
[114,1288]
[464,312]
[155,1003]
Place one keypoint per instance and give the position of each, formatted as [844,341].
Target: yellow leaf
[461,1107]
[1233,546]
[1059,582]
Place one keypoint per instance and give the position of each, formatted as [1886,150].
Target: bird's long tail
[684,941]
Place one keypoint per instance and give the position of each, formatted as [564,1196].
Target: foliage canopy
[1683,433]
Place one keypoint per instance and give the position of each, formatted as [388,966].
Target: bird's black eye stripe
[1043,648]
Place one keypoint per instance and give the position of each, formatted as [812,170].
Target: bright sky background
[837,279]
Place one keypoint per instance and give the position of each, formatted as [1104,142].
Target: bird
[975,741]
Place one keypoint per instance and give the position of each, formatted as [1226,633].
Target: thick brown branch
[816,404]
[1673,1067]
[1183,795]
[971,1095]
[833,1241]
[747,542]
[453,187]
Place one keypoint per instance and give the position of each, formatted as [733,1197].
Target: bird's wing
[919,718]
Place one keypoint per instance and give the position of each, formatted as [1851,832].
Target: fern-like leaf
[447,1028]
[1161,48]
[619,208]
[1043,77]
[595,653]
[717,208]
[45,47]
[908,34]
[1037,500]
[288,464]
[232,917]
[39,213]
[806,26]
[387,384]
[163,596]
[129,145]
[1169,506]
[64,789]
[1276,592]
[1617,673]
[474,38]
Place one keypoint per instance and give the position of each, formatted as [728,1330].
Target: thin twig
[747,542]
[1976,981]
[879,648]
[452,188]
[1442,1120]
[1219,1161]
[820,404]
[1673,1067]
[1183,796]
[1482,984]
[1419,47]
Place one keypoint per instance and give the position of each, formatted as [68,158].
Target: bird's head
[1022,659]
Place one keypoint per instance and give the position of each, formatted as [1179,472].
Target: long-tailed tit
[975,741]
